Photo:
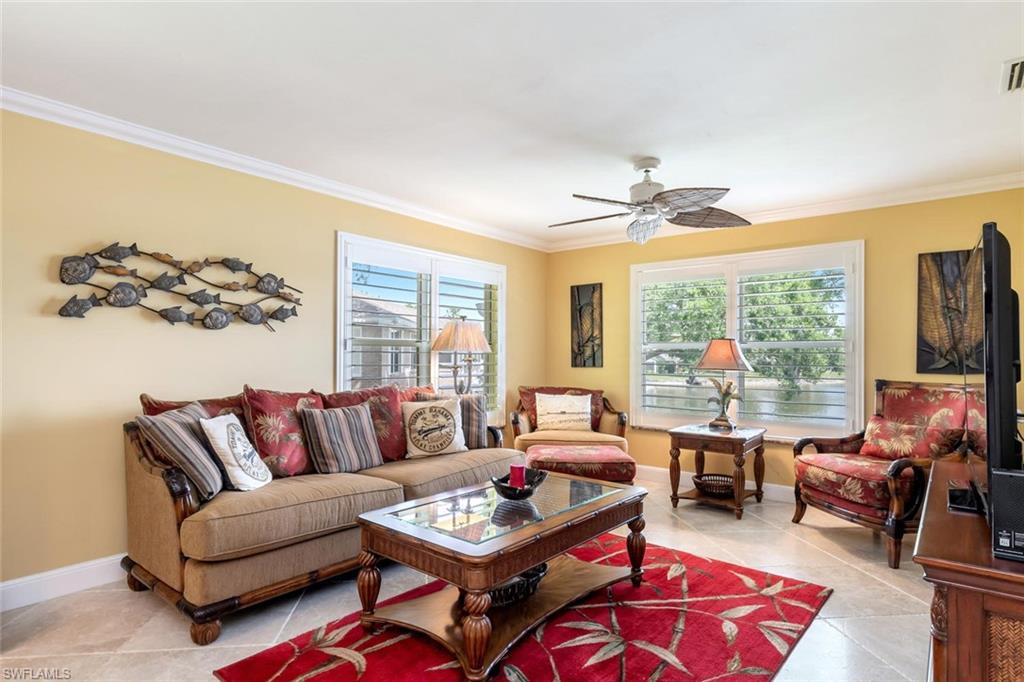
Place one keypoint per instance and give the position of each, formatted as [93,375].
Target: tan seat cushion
[424,476]
[285,511]
[525,440]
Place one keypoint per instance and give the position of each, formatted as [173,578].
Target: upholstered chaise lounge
[609,424]
[876,478]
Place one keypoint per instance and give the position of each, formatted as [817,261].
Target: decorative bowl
[713,485]
[534,477]
[518,587]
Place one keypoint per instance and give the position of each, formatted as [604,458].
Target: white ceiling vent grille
[1013,75]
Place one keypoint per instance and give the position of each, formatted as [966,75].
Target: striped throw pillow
[474,415]
[341,439]
[178,435]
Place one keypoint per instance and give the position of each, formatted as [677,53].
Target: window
[394,299]
[796,314]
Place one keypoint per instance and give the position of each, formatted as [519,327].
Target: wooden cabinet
[977,608]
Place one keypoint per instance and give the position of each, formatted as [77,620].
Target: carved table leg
[739,483]
[759,472]
[476,631]
[368,584]
[698,462]
[673,475]
[204,633]
[940,624]
[636,545]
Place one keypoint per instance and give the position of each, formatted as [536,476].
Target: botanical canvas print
[950,326]
[586,319]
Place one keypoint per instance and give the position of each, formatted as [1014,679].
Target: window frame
[849,255]
[436,264]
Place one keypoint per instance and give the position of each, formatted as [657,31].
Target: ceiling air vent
[1013,75]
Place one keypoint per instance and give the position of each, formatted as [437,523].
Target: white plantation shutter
[795,312]
[393,300]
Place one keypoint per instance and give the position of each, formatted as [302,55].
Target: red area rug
[691,619]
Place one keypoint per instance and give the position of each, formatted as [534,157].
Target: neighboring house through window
[393,300]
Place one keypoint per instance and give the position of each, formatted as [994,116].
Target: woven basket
[519,587]
[713,485]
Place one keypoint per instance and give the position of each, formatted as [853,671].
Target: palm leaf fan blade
[932,326]
[708,218]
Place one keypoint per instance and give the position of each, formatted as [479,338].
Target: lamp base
[723,423]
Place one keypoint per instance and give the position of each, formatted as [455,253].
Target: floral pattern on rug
[691,619]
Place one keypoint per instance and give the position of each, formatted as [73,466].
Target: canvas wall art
[587,338]
[950,309]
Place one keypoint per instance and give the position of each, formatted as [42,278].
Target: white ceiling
[493,114]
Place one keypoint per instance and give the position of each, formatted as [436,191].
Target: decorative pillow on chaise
[433,428]
[474,415]
[890,439]
[528,398]
[178,435]
[239,461]
[276,429]
[341,439]
[385,409]
[563,412]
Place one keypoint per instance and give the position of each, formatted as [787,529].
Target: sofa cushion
[528,400]
[525,440]
[178,435]
[283,512]
[214,407]
[277,435]
[424,476]
[386,409]
[852,477]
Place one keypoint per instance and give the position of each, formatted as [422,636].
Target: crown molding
[76,117]
[992,183]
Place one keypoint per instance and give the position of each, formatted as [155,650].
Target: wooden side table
[738,442]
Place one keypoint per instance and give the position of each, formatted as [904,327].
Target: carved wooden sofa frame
[205,619]
[903,515]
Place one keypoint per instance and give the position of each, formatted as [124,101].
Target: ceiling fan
[650,204]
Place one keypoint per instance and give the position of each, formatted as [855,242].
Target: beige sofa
[241,548]
[612,431]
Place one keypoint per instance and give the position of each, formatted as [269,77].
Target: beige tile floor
[875,626]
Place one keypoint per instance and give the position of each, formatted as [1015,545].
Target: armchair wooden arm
[622,418]
[497,437]
[851,443]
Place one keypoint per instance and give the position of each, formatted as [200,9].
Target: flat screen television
[1004,502]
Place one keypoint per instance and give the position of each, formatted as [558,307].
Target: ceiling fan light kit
[650,204]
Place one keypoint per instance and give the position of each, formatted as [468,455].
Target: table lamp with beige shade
[460,336]
[724,354]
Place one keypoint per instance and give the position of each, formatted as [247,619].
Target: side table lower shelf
[722,502]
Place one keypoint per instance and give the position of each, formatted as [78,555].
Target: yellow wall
[893,237]
[68,385]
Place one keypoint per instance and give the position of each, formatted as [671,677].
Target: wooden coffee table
[476,541]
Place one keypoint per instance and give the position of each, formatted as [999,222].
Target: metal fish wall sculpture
[80,270]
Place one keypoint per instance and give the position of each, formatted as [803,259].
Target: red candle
[517,476]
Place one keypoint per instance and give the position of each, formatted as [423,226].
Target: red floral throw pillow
[276,430]
[215,407]
[528,399]
[890,439]
[386,412]
[408,395]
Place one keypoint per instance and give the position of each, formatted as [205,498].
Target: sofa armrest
[900,508]
[520,422]
[497,437]
[621,418]
[851,443]
[159,498]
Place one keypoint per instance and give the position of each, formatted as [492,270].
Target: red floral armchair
[877,478]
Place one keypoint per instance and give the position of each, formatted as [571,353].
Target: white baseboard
[38,587]
[775,492]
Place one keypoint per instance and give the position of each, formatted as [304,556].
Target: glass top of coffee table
[482,514]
